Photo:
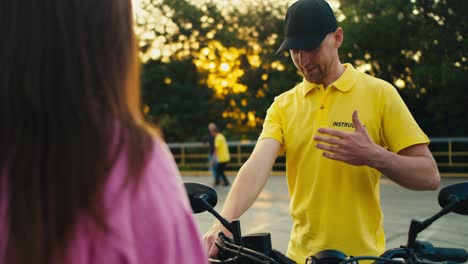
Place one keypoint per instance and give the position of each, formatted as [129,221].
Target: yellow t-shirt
[222,150]
[335,205]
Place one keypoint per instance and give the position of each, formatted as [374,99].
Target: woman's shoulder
[151,219]
[159,177]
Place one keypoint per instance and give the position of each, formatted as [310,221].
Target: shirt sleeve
[148,221]
[399,128]
[272,126]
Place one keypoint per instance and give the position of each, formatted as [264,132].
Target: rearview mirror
[456,192]
[197,191]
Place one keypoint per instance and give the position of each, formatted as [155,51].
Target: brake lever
[223,237]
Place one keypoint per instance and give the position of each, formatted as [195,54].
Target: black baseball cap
[306,24]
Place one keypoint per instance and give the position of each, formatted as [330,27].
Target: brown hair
[68,78]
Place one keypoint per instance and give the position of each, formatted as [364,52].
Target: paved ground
[270,214]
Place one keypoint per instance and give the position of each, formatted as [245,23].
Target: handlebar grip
[446,254]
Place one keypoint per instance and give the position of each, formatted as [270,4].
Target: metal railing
[451,154]
[194,155]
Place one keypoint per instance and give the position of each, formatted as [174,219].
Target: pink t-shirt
[153,224]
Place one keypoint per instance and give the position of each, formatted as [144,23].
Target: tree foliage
[421,44]
[186,90]
[205,63]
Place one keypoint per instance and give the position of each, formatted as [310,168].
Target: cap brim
[301,43]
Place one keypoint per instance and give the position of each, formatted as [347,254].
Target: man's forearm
[245,189]
[415,172]
[251,179]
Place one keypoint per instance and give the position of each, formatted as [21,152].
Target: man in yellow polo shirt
[220,155]
[340,129]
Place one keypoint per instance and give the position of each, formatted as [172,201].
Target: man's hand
[211,237]
[355,148]
[413,167]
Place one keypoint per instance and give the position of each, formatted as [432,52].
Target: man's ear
[338,35]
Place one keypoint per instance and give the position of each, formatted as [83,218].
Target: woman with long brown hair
[83,179]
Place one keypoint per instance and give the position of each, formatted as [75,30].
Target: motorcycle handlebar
[240,253]
[425,251]
[445,254]
[452,199]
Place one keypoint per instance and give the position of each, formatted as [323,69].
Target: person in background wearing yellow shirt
[341,130]
[221,155]
[209,142]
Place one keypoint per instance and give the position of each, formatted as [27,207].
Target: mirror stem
[417,226]
[233,227]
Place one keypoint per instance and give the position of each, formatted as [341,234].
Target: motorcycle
[256,248]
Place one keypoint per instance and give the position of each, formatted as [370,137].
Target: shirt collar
[344,83]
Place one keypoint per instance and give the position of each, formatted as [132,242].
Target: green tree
[172,78]
[421,47]
[189,80]
[180,106]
